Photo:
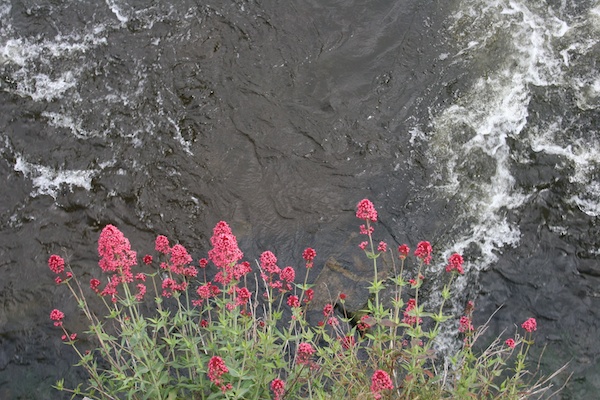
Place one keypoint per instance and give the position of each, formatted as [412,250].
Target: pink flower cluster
[403,251]
[366,210]
[309,255]
[278,388]
[116,257]
[71,337]
[366,231]
[465,325]
[170,286]
[57,316]
[178,264]
[304,353]
[115,253]
[216,369]
[57,265]
[270,270]
[380,381]
[226,254]
[206,291]
[455,263]
[530,325]
[409,319]
[363,325]
[423,251]
[309,294]
[293,301]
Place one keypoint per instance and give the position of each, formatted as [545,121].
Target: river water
[469,123]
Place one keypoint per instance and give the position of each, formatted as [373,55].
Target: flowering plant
[169,332]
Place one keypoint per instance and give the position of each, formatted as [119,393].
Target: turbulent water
[469,123]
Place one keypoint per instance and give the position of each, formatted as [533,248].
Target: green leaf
[60,384]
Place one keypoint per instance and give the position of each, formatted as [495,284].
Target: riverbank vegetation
[222,327]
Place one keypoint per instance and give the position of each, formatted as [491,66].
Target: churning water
[469,123]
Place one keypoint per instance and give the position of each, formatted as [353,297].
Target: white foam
[59,120]
[67,121]
[49,181]
[42,87]
[118,11]
[186,145]
[35,58]
[582,155]
[589,206]
[478,125]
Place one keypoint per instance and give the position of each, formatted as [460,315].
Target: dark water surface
[472,124]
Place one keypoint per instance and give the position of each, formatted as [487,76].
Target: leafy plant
[245,334]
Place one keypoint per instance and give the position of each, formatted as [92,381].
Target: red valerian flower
[94,283]
[268,262]
[190,272]
[382,247]
[293,301]
[243,296]
[147,259]
[225,252]
[465,325]
[216,369]
[328,310]
[409,319]
[308,295]
[162,244]
[380,381]
[170,286]
[423,251]
[57,316]
[140,277]
[455,263]
[305,351]
[139,296]
[510,343]
[71,337]
[288,274]
[207,291]
[278,388]
[366,210]
[363,325]
[530,325]
[309,254]
[179,258]
[56,264]
[363,245]
[203,262]
[115,251]
[403,251]
[241,269]
[365,231]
